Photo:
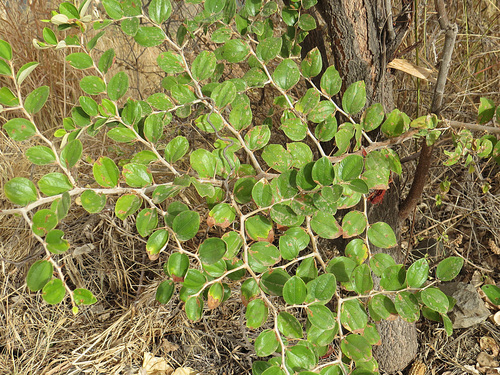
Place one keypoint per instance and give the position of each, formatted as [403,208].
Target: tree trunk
[361,44]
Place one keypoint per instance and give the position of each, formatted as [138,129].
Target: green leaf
[84,297]
[127,205]
[118,86]
[176,149]
[5,50]
[56,244]
[286,75]
[322,171]
[326,129]
[294,129]
[381,235]
[171,62]
[356,249]
[25,71]
[36,99]
[137,175]
[381,307]
[301,357]
[353,316]
[435,300]
[177,266]
[418,273]
[256,313]
[54,183]
[148,36]
[39,275]
[325,225]
[80,60]
[277,157]
[307,22]
[320,316]
[113,9]
[294,293]
[153,127]
[186,225]
[379,262]
[71,153]
[21,191]
[224,94]
[212,250]
[183,94]
[259,228]
[292,242]
[407,306]
[312,64]
[61,206]
[363,282]
[262,194]
[372,117]
[194,308]
[146,221]
[241,112]
[262,255]
[19,129]
[288,325]
[273,281]
[394,124]
[235,51]
[160,101]
[356,347]
[331,82]
[7,97]
[354,98]
[89,105]
[249,291]
[92,85]
[106,172]
[449,268]
[342,268]
[393,278]
[130,26]
[492,292]
[165,291]
[5,68]
[350,167]
[243,190]
[322,288]
[258,137]
[486,110]
[92,202]
[53,292]
[266,343]
[203,162]
[160,10]
[69,10]
[269,48]
[204,65]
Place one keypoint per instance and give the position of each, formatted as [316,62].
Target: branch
[459,124]
[425,160]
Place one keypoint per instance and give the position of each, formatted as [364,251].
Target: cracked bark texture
[358,50]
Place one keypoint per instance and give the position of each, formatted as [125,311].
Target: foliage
[261,222]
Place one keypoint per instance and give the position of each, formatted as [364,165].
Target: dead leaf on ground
[156,365]
[489,345]
[185,371]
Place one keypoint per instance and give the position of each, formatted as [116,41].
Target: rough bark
[361,49]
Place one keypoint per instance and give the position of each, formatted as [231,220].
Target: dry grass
[109,258]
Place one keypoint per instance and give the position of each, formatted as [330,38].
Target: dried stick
[425,160]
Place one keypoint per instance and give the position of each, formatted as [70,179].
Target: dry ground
[113,336]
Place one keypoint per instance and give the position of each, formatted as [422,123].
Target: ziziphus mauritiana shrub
[267,202]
